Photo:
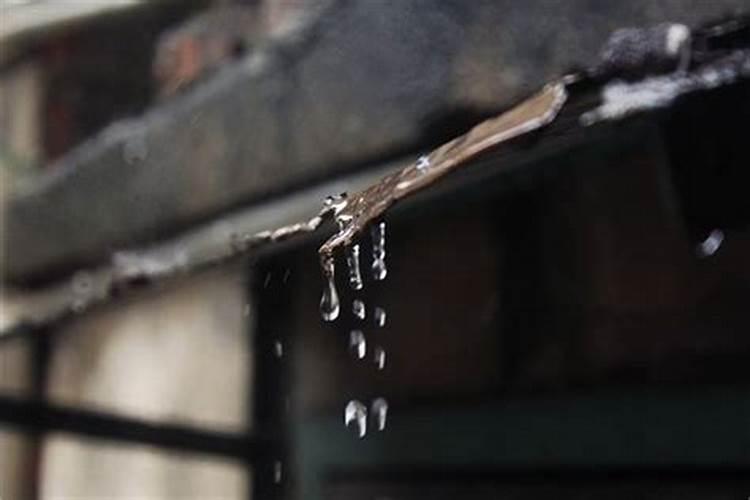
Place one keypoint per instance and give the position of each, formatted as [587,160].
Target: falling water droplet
[423,163]
[379,316]
[357,343]
[379,269]
[355,412]
[267,280]
[380,357]
[278,349]
[711,244]
[352,261]
[380,413]
[358,308]
[285,278]
[278,470]
[329,302]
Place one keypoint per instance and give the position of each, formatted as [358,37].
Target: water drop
[423,163]
[358,308]
[380,357]
[711,244]
[267,280]
[380,413]
[355,412]
[379,316]
[352,261]
[329,302]
[379,269]
[278,470]
[285,278]
[278,349]
[357,343]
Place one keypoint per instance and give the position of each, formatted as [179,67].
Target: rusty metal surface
[365,82]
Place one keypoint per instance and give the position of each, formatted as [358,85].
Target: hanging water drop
[380,357]
[379,269]
[380,413]
[711,244]
[358,308]
[352,261]
[357,343]
[379,316]
[423,163]
[355,412]
[329,302]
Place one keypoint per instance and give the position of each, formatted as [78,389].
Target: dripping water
[278,349]
[379,317]
[379,269]
[358,308]
[358,344]
[352,261]
[355,412]
[329,302]
[278,470]
[380,357]
[380,413]
[711,244]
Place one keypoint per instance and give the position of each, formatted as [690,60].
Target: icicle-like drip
[355,412]
[379,269]
[352,261]
[329,302]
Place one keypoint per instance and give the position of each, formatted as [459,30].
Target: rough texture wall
[180,354]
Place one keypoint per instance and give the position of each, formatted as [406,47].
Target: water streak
[379,269]
[379,316]
[380,357]
[352,261]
